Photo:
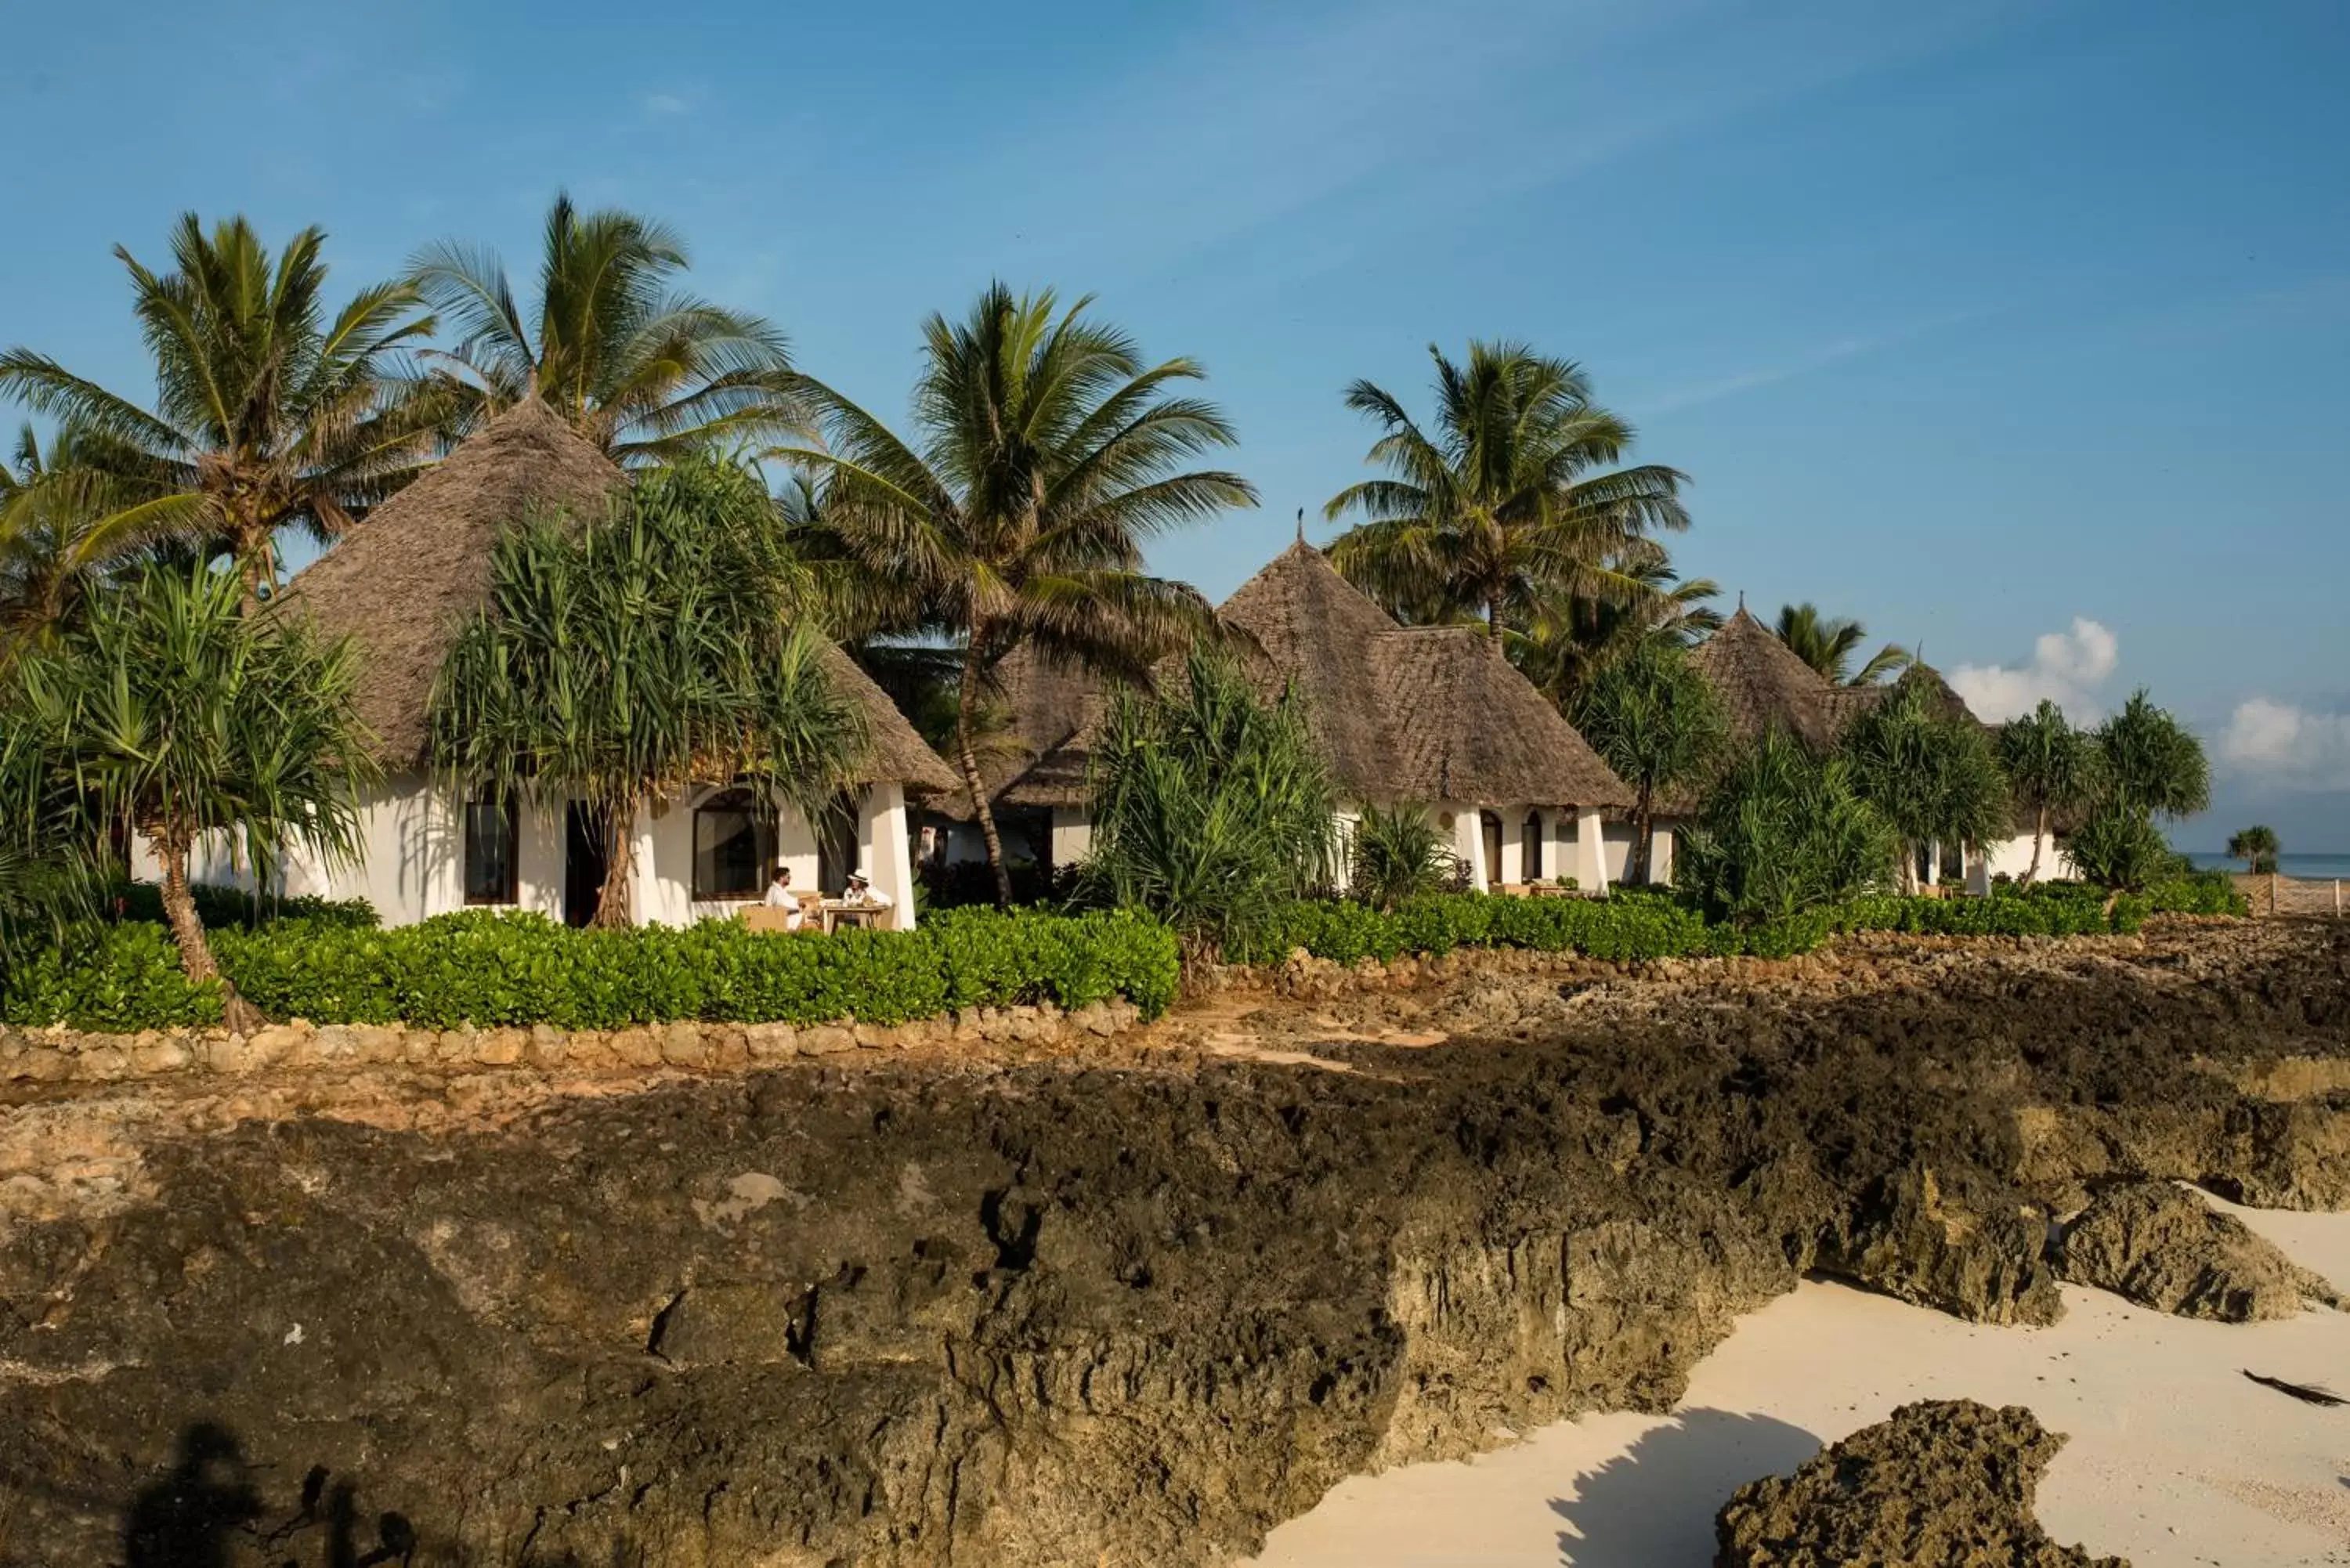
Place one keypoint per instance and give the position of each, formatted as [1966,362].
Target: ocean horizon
[2313,867]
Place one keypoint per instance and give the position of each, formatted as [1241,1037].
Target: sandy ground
[2174,1458]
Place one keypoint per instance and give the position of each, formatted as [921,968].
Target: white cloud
[665,103]
[2287,746]
[2067,668]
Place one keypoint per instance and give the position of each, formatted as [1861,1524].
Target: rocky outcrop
[2163,1248]
[1128,1305]
[1942,1484]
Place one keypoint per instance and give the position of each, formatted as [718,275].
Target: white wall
[2012,858]
[1072,836]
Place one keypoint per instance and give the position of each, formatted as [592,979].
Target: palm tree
[268,414]
[622,664]
[2257,847]
[171,712]
[58,538]
[1568,639]
[1504,506]
[645,372]
[1046,457]
[2152,763]
[1828,646]
[1658,724]
[2051,766]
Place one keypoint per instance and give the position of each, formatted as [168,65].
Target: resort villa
[1763,685]
[403,583]
[1427,714]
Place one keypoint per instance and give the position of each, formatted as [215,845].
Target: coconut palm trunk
[967,758]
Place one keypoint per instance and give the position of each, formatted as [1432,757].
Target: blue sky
[2018,330]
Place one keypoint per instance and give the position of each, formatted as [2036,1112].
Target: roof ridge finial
[1742,599]
[1301,524]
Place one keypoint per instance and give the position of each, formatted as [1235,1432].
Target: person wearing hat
[863,893]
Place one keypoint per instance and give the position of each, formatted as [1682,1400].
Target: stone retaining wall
[63,1055]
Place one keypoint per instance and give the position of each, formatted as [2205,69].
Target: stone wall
[62,1056]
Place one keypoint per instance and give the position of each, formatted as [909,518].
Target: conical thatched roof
[1762,684]
[1426,713]
[404,582]
[1054,709]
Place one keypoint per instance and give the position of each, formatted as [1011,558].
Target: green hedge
[1643,924]
[220,908]
[493,969]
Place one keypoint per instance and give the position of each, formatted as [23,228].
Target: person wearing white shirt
[866,895]
[781,897]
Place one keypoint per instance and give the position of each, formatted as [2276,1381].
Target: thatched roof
[1042,762]
[1428,714]
[403,583]
[1762,684]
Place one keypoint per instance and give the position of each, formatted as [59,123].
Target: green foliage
[506,969]
[2151,764]
[1828,644]
[2121,848]
[644,371]
[2257,847]
[1503,508]
[171,712]
[219,908]
[1048,453]
[1783,833]
[1210,808]
[1932,777]
[1398,853]
[624,662]
[2051,766]
[1657,722]
[269,413]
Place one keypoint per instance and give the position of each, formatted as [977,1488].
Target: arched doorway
[1489,824]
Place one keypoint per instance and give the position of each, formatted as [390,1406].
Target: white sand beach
[2174,1458]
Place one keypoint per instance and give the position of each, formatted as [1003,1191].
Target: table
[833,913]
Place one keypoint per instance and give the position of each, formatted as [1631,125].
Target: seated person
[781,897]
[864,894]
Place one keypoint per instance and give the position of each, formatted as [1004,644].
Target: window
[1530,847]
[493,832]
[734,847]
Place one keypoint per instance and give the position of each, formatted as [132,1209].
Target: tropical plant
[268,415]
[1211,809]
[1784,831]
[1658,724]
[1509,502]
[171,713]
[1828,645]
[2051,766]
[644,371]
[56,546]
[2151,763]
[1046,457]
[1396,853]
[2257,847]
[1566,638]
[2120,848]
[1932,777]
[622,661]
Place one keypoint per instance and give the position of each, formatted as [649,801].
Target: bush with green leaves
[1930,774]
[219,907]
[506,969]
[1784,832]
[1396,853]
[1210,807]
[2149,766]
[1658,724]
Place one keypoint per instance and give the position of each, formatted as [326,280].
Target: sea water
[2311,868]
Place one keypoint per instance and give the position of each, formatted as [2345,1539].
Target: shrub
[1931,774]
[508,970]
[1783,833]
[1210,808]
[1398,853]
[2120,848]
[219,908]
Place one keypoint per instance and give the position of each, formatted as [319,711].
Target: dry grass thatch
[1423,713]
[403,583]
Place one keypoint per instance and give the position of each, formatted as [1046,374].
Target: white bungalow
[1427,714]
[403,583]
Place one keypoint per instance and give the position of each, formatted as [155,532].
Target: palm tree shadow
[207,1511]
[1653,1506]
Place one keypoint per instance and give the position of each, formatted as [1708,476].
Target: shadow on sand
[1654,1507]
